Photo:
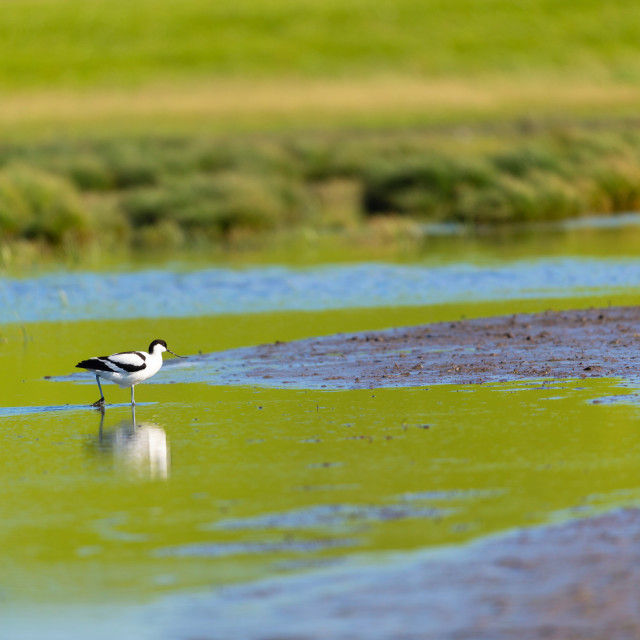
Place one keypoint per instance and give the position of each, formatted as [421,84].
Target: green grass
[126,43]
[39,206]
[88,68]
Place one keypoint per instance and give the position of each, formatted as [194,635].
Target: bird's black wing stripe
[95,364]
[124,366]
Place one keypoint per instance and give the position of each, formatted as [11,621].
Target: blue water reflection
[170,293]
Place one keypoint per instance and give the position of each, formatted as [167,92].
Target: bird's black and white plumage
[127,368]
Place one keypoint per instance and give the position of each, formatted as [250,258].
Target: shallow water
[152,293]
[222,484]
[219,484]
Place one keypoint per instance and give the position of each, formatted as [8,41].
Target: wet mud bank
[569,581]
[554,344]
[577,580]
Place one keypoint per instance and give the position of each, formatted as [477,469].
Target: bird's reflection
[138,449]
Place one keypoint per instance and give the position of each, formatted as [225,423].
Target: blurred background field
[174,124]
[263,63]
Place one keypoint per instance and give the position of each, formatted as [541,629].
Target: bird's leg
[99,403]
[132,400]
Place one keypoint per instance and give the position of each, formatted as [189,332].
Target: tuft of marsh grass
[558,176]
[511,199]
[36,205]
[211,206]
[424,185]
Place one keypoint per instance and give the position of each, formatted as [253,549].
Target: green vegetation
[558,177]
[105,105]
[185,192]
[114,66]
[92,43]
[38,206]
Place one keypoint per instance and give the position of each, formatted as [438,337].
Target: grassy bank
[114,67]
[197,192]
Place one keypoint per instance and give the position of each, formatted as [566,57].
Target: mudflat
[554,344]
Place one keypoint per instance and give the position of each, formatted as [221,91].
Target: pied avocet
[128,368]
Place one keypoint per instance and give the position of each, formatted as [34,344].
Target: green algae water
[213,485]
[210,484]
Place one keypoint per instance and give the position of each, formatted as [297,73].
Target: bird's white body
[145,365]
[127,368]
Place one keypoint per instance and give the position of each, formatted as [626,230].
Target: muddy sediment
[577,580]
[555,344]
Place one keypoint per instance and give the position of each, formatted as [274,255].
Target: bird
[127,368]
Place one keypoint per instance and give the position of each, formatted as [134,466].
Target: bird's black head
[155,343]
[161,345]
